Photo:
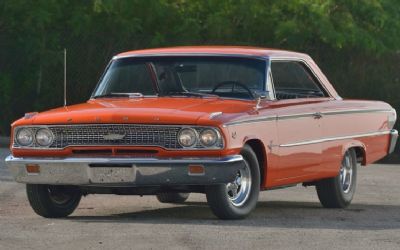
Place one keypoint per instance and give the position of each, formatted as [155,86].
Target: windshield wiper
[190,94]
[112,94]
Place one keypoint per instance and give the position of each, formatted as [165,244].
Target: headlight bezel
[195,134]
[216,138]
[21,130]
[51,137]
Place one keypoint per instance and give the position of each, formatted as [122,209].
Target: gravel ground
[284,219]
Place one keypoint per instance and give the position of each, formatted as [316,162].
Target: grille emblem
[114,137]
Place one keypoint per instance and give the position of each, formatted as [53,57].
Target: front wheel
[338,192]
[237,199]
[52,201]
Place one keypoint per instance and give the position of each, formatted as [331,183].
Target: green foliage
[356,42]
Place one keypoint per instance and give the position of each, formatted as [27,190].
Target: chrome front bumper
[393,140]
[125,171]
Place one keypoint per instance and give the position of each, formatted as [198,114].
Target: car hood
[157,110]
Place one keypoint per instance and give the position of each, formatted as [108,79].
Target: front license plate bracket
[112,174]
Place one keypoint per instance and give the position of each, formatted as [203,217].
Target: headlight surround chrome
[200,138]
[187,137]
[209,137]
[24,137]
[44,137]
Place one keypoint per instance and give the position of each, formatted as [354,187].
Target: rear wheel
[237,199]
[53,201]
[338,192]
[172,197]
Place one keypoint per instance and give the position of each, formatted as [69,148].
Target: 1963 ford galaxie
[224,121]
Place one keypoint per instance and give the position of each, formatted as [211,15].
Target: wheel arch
[259,149]
[360,150]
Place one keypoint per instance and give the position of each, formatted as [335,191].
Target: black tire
[172,197]
[219,198]
[53,201]
[332,193]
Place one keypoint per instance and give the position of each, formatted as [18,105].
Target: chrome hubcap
[239,190]
[346,173]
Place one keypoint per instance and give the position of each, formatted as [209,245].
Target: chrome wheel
[239,190]
[346,173]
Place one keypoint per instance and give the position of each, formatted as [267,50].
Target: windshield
[230,77]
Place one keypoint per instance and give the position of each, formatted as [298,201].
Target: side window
[294,80]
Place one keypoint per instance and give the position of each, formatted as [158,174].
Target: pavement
[4,141]
[284,219]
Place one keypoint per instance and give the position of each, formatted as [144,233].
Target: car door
[299,97]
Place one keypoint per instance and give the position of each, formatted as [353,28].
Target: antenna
[65,77]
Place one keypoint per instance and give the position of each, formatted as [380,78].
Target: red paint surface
[283,165]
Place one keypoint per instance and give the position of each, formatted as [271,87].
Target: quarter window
[294,80]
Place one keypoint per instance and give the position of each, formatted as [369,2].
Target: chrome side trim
[327,139]
[294,116]
[356,111]
[253,120]
[301,115]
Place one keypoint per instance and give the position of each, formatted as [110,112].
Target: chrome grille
[125,135]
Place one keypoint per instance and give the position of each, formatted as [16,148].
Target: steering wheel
[233,83]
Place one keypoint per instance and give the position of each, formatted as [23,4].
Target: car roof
[246,51]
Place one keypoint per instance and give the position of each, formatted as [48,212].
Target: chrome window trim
[192,54]
[335,138]
[305,63]
[213,148]
[270,83]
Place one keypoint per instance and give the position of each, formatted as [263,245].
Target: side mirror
[262,95]
[259,96]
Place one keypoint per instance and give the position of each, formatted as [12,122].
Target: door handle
[317,115]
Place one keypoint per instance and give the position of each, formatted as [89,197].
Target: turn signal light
[32,168]
[196,169]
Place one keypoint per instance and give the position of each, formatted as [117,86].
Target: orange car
[224,121]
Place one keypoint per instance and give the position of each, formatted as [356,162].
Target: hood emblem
[215,114]
[113,137]
[30,115]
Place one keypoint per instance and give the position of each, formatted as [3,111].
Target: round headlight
[187,137]
[24,137]
[208,137]
[44,137]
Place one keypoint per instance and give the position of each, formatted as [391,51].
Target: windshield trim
[265,59]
